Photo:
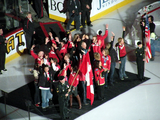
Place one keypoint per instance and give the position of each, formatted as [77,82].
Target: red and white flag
[147,38]
[86,69]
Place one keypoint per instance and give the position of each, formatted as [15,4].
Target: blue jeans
[153,47]
[106,75]
[46,95]
[76,18]
[111,74]
[84,91]
[122,73]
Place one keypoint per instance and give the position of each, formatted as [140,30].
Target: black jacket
[112,52]
[43,82]
[71,6]
[2,44]
[28,26]
[84,3]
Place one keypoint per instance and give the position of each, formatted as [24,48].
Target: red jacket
[52,54]
[71,78]
[98,76]
[100,37]
[96,47]
[106,61]
[121,51]
[35,56]
[63,50]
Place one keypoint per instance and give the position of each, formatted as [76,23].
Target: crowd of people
[57,67]
[57,62]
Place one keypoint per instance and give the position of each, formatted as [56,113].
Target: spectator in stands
[39,8]
[29,30]
[86,11]
[3,41]
[74,9]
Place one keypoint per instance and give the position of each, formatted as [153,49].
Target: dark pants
[2,61]
[106,79]
[29,41]
[85,16]
[63,103]
[84,91]
[76,18]
[100,92]
[36,95]
[140,68]
[111,73]
[39,8]
[153,47]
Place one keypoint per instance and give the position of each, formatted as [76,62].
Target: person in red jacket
[73,81]
[52,53]
[106,63]
[96,45]
[99,79]
[121,52]
[101,38]
[38,58]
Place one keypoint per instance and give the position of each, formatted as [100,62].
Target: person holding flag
[147,40]
[86,70]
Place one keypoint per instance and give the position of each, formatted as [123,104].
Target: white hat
[98,31]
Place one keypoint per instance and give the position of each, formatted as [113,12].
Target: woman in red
[74,82]
[99,79]
[106,63]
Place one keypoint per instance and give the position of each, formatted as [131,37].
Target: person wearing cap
[3,41]
[102,37]
[63,93]
[140,58]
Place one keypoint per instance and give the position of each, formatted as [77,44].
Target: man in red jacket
[102,38]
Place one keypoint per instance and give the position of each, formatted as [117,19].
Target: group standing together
[58,60]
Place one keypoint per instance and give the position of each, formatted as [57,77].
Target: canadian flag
[86,69]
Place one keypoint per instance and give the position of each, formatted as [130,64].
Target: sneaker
[86,104]
[152,59]
[122,78]
[90,25]
[37,105]
[126,77]
[5,70]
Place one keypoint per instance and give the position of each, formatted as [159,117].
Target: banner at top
[57,8]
